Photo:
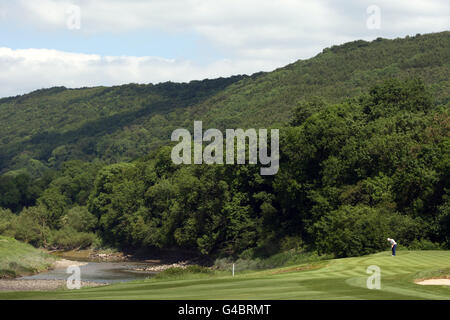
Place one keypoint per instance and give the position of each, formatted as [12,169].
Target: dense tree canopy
[360,159]
[351,174]
[47,127]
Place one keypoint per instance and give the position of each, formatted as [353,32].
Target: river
[100,272]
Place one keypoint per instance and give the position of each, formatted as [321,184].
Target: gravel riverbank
[39,285]
[43,284]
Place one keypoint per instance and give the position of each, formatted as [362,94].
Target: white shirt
[392,241]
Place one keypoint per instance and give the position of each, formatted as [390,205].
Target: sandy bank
[64,263]
[435,282]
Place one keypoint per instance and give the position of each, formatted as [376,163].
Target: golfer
[393,245]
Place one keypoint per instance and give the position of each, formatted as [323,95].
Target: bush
[79,219]
[424,244]
[31,226]
[68,238]
[178,271]
[359,230]
[6,219]
[292,242]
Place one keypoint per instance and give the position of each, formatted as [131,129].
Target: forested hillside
[47,127]
[364,155]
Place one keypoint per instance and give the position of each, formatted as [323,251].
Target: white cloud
[221,20]
[28,69]
[253,34]
[233,25]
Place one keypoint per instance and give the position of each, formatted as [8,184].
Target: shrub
[360,230]
[291,242]
[424,244]
[31,226]
[68,238]
[6,219]
[79,219]
[178,271]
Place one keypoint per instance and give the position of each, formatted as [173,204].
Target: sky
[81,43]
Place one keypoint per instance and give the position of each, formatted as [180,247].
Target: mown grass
[328,279]
[18,258]
[282,259]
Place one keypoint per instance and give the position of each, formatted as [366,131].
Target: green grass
[18,258]
[329,279]
[282,259]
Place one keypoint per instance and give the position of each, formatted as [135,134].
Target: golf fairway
[331,279]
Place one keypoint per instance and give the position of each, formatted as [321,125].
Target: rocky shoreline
[162,267]
[109,257]
[44,284]
[71,259]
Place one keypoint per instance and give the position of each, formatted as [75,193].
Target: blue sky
[186,45]
[77,43]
